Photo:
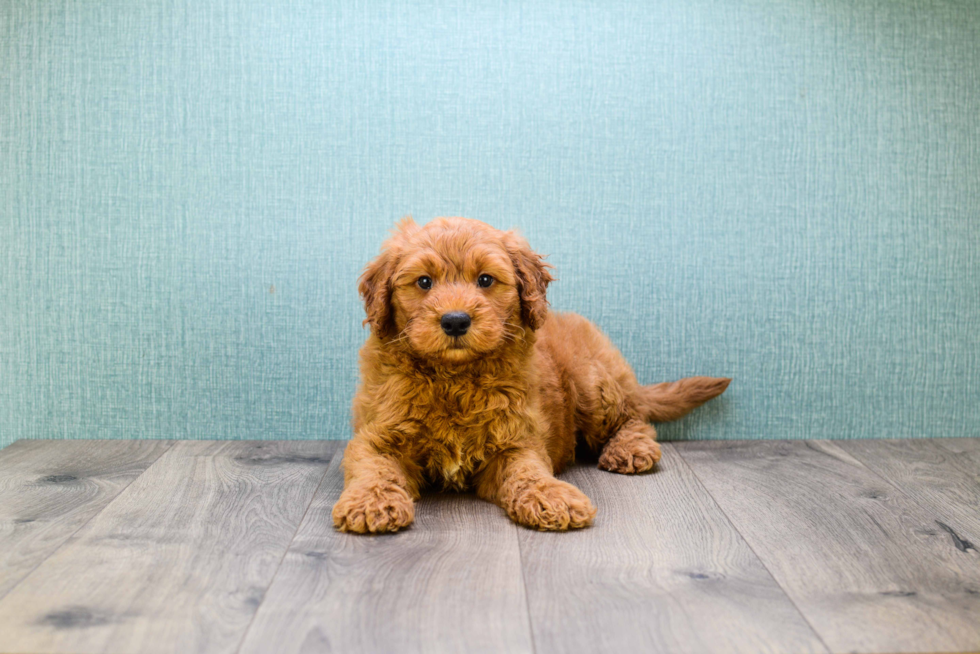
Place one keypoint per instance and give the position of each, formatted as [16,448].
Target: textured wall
[783,192]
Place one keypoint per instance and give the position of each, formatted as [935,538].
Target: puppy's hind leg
[612,426]
[632,449]
[612,423]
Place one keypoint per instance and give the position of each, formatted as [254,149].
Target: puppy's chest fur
[464,423]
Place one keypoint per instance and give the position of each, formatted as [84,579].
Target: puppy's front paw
[364,509]
[552,505]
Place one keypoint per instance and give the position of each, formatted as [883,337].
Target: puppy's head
[454,290]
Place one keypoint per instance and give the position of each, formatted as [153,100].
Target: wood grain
[875,542]
[179,562]
[662,570]
[866,565]
[49,489]
[967,451]
[450,583]
[933,477]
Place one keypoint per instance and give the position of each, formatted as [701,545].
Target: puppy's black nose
[456,323]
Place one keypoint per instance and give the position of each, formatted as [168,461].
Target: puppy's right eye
[425,283]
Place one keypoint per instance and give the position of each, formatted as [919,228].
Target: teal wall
[786,192]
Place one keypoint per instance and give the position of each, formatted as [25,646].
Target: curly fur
[500,409]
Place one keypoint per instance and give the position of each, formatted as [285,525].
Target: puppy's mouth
[458,349]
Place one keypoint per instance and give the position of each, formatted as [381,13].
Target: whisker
[402,335]
[510,334]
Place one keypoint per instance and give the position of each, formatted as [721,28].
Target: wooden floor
[762,546]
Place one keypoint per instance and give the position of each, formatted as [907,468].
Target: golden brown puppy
[467,381]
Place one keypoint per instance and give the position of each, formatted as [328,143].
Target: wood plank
[179,562]
[932,476]
[49,489]
[864,563]
[450,583]
[662,570]
[967,451]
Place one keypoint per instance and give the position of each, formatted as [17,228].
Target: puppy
[468,382]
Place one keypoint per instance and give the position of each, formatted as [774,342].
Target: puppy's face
[454,290]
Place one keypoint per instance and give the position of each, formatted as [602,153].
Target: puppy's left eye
[483,281]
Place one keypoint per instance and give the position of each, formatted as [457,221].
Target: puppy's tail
[672,400]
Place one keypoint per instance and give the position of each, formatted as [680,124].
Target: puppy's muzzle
[455,323]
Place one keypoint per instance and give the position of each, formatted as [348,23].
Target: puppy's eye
[425,283]
[483,281]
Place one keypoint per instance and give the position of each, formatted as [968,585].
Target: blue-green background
[785,192]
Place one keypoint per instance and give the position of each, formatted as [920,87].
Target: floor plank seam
[748,544]
[299,523]
[68,540]
[874,541]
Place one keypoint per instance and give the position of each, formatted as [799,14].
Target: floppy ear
[375,282]
[532,280]
[375,290]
